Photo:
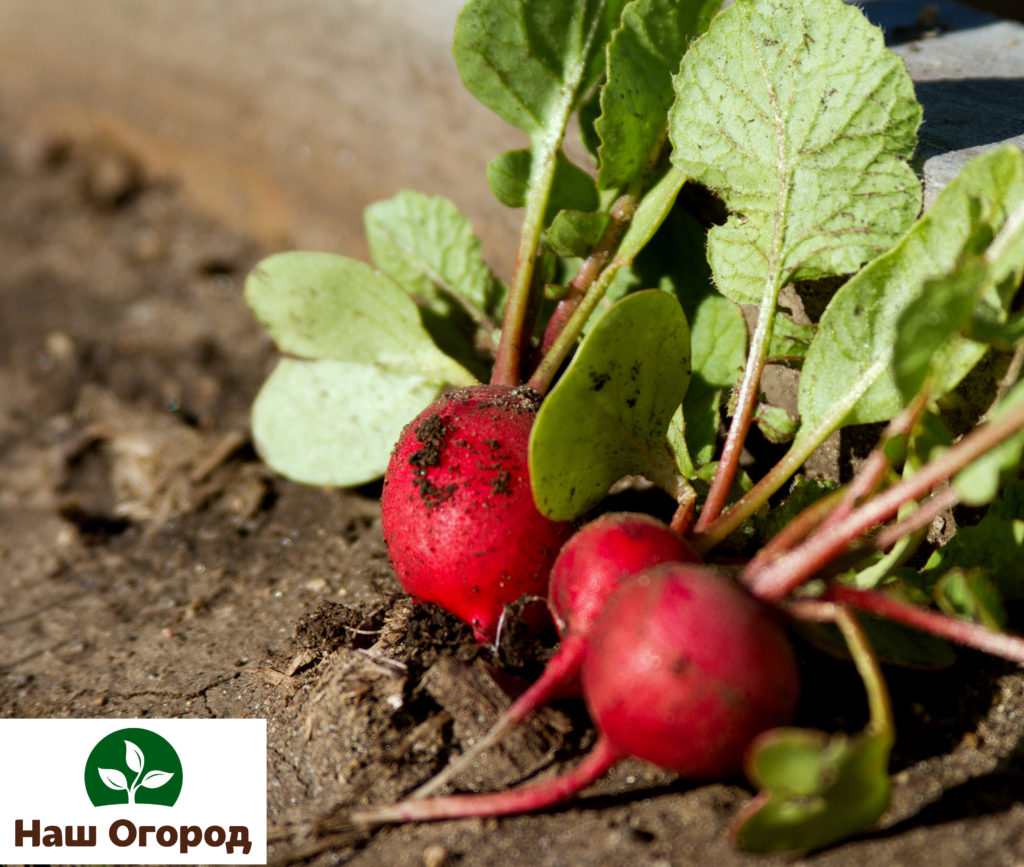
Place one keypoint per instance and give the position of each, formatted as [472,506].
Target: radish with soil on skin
[684,669]
[589,568]
[458,514]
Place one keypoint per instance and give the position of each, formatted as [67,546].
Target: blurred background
[279,117]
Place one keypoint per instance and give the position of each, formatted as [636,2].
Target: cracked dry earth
[150,566]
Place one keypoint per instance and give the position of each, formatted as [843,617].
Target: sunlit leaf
[643,55]
[849,367]
[800,118]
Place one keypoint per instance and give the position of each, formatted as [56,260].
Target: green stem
[868,668]
[563,345]
[510,348]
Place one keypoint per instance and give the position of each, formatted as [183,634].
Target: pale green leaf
[335,422]
[324,306]
[800,118]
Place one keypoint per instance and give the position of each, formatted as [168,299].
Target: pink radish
[458,514]
[684,670]
[588,569]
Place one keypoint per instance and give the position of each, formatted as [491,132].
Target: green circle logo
[133,766]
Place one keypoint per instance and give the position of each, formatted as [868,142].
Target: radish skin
[457,510]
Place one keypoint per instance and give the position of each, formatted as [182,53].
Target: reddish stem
[794,532]
[729,462]
[778,579]
[869,476]
[561,669]
[952,629]
[527,799]
[917,520]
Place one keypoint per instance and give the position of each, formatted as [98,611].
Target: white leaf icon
[133,757]
[114,779]
[155,779]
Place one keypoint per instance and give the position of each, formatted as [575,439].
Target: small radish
[684,670]
[458,515]
[588,569]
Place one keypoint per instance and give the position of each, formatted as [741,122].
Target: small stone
[435,855]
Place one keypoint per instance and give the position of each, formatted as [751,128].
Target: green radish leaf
[643,55]
[800,118]
[532,63]
[790,340]
[815,789]
[573,234]
[995,545]
[774,423]
[364,366]
[608,416]
[572,188]
[330,422]
[848,374]
[979,483]
[926,329]
[971,595]
[428,247]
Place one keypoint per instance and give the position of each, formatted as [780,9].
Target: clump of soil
[152,566]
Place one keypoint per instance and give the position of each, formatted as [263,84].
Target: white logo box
[44,804]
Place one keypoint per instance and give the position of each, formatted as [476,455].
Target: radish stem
[933,622]
[527,799]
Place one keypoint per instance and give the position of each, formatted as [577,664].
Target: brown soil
[151,566]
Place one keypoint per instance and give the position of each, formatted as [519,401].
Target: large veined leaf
[643,55]
[797,115]
[361,366]
[532,63]
[608,415]
[848,376]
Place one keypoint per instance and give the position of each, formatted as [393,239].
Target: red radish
[459,519]
[684,670]
[588,569]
